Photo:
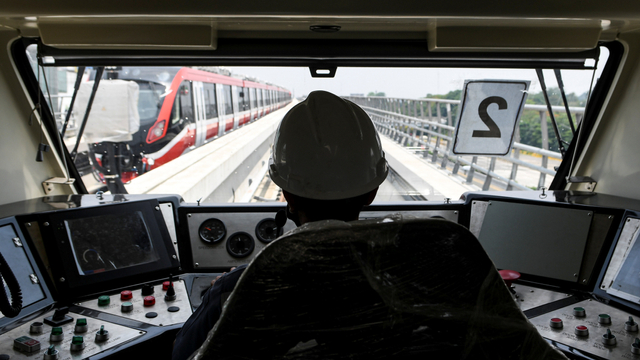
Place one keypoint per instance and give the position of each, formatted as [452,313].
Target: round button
[126,307]
[173,309]
[151,315]
[147,289]
[582,330]
[165,285]
[149,301]
[77,343]
[579,312]
[56,334]
[556,323]
[104,300]
[126,295]
[604,319]
[81,325]
[509,276]
[36,328]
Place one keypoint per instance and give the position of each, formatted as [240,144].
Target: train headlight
[156,131]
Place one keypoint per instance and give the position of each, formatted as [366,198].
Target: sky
[410,82]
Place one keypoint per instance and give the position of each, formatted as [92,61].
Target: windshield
[205,133]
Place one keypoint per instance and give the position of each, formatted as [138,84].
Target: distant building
[357,95]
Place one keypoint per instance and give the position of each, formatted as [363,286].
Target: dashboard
[119,275]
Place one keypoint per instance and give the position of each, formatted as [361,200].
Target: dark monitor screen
[110,242]
[109,246]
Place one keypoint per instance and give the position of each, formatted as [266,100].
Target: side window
[210,105]
[186,104]
[260,103]
[226,102]
[245,99]
[254,99]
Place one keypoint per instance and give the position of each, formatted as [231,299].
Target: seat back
[388,288]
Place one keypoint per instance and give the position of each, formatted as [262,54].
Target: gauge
[212,231]
[240,244]
[267,230]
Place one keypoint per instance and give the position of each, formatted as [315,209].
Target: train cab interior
[134,157]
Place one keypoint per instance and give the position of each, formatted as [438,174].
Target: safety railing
[412,123]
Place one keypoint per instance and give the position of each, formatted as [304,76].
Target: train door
[211,111]
[227,103]
[254,104]
[221,108]
[199,113]
[236,106]
[260,106]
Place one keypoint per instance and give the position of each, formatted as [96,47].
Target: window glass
[415,110]
[210,103]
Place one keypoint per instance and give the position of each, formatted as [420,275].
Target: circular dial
[240,244]
[212,231]
[266,230]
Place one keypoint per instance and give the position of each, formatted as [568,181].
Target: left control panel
[64,335]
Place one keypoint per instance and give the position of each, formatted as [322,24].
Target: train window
[254,98]
[227,99]
[414,109]
[210,103]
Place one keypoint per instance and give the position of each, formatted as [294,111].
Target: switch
[556,323]
[126,307]
[631,325]
[126,295]
[149,301]
[77,343]
[51,353]
[36,328]
[579,312]
[104,300]
[81,325]
[102,334]
[147,289]
[604,319]
[609,338]
[56,334]
[171,293]
[582,330]
[635,347]
[59,317]
[26,344]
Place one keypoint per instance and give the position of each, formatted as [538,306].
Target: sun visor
[485,37]
[115,35]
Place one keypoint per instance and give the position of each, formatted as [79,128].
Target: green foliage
[376,93]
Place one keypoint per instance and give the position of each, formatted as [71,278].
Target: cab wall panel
[612,156]
[20,175]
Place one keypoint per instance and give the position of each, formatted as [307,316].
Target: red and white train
[183,108]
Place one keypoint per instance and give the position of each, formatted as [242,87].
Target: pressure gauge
[267,230]
[212,231]
[240,244]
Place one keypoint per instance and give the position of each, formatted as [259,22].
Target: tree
[376,93]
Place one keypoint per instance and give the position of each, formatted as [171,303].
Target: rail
[411,123]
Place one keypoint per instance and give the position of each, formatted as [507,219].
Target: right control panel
[594,328]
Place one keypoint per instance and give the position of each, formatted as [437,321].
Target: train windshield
[205,132]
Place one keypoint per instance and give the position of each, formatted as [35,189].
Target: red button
[165,285]
[509,276]
[126,295]
[149,301]
[581,327]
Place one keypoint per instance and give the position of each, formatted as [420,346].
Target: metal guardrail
[435,133]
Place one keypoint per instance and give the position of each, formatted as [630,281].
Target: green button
[81,322]
[56,331]
[604,316]
[104,300]
[578,309]
[77,340]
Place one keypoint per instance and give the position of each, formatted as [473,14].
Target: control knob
[81,325]
[635,347]
[51,353]
[77,343]
[609,338]
[56,334]
[631,325]
[102,334]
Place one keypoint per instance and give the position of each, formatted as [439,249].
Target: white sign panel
[490,110]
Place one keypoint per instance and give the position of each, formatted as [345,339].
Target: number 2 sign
[490,111]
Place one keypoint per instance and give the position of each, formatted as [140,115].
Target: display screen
[627,282]
[110,242]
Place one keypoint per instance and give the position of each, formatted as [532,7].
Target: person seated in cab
[328,160]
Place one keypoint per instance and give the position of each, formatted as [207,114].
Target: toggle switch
[52,353]
[631,325]
[102,334]
[609,338]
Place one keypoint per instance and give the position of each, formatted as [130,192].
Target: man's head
[327,158]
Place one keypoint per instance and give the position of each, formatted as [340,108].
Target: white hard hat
[327,148]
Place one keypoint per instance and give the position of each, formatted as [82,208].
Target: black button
[173,309]
[151,315]
[4,357]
